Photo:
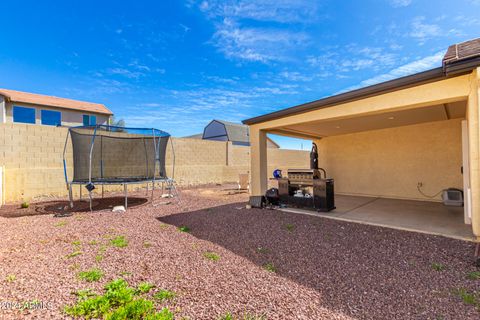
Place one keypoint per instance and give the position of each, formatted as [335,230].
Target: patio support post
[258,166]
[473,119]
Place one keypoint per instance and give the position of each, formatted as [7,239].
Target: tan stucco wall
[390,162]
[69,117]
[32,158]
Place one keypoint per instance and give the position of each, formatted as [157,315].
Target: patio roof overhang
[449,92]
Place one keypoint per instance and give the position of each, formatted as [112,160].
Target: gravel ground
[325,269]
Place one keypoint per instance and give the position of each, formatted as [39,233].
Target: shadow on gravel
[62,207]
[364,271]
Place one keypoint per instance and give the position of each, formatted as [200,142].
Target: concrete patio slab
[418,216]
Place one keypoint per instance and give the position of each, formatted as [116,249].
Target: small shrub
[164,295]
[119,242]
[25,205]
[184,229]
[91,275]
[270,267]
[438,266]
[290,227]
[73,254]
[474,275]
[145,287]
[11,278]
[211,256]
[118,302]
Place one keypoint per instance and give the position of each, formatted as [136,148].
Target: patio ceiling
[332,127]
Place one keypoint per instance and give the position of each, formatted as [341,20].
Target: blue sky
[175,65]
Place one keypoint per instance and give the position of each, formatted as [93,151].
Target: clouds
[255,44]
[259,31]
[416,66]
[400,3]
[422,30]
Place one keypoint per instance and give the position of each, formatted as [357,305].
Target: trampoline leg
[90,196]
[70,195]
[80,189]
[147,190]
[126,195]
[102,191]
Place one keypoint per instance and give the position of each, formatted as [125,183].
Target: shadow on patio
[358,269]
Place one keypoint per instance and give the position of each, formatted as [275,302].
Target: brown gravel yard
[233,260]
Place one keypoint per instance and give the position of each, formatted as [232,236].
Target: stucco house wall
[69,117]
[391,162]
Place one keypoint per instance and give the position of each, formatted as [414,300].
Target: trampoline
[109,155]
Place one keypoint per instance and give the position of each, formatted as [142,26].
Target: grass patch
[61,224]
[471,298]
[98,258]
[91,275]
[119,242]
[73,254]
[226,316]
[118,302]
[438,266]
[289,227]
[93,242]
[25,205]
[147,244]
[164,295]
[211,256]
[77,243]
[145,287]
[270,267]
[474,275]
[11,278]
[184,229]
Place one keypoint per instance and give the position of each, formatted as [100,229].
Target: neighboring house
[31,108]
[238,134]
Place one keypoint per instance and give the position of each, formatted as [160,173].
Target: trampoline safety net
[106,154]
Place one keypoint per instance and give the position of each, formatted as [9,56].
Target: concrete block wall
[32,158]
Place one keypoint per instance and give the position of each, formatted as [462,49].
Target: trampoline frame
[169,182]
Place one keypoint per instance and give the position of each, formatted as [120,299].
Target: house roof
[459,59]
[236,132]
[51,101]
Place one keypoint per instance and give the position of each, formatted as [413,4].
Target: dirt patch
[62,207]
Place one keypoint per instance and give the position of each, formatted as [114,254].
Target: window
[51,118]
[23,114]
[89,120]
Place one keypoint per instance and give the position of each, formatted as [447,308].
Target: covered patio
[409,215]
[391,148]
